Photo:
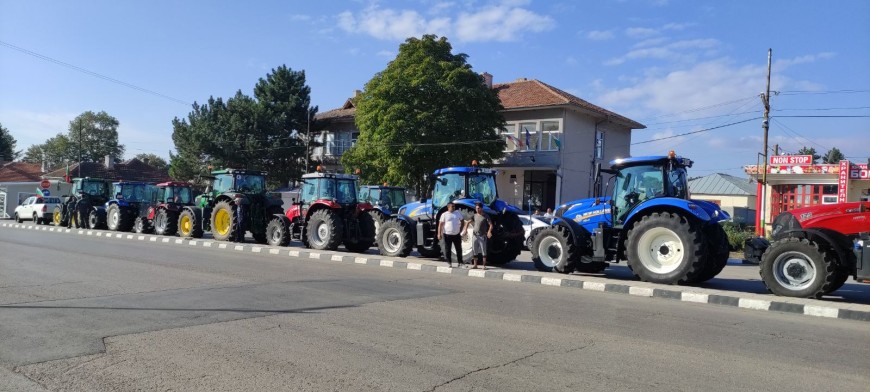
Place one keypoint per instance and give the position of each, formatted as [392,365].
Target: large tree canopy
[809,151]
[7,145]
[91,137]
[833,156]
[261,133]
[426,110]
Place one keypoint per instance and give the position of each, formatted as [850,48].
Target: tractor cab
[95,188]
[125,193]
[385,198]
[332,190]
[241,181]
[175,193]
[464,185]
[644,178]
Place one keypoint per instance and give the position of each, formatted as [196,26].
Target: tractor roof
[331,175]
[239,171]
[648,160]
[381,187]
[464,169]
[91,179]
[174,183]
[131,183]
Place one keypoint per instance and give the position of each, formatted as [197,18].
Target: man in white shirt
[449,225]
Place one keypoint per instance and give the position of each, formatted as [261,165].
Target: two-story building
[554,140]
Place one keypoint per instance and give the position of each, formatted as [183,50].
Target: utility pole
[765,124]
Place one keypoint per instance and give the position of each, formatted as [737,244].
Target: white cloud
[673,51]
[300,18]
[570,60]
[640,32]
[504,22]
[811,58]
[29,128]
[600,35]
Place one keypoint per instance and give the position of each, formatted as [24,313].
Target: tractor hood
[585,212]
[848,218]
[416,208]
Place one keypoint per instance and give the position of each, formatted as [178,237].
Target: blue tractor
[416,223]
[130,200]
[386,201]
[650,221]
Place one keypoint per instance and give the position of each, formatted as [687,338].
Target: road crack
[589,343]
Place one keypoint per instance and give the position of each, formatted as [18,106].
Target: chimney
[487,79]
[356,93]
[110,163]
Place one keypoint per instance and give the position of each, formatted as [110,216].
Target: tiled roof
[523,94]
[131,170]
[20,172]
[722,184]
[526,94]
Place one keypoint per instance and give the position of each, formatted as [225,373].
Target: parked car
[530,223]
[39,209]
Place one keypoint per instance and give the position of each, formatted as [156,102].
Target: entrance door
[539,187]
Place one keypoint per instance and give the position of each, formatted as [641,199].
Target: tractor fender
[829,240]
[283,218]
[502,207]
[670,204]
[577,231]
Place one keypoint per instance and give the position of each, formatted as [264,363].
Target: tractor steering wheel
[632,197]
[92,192]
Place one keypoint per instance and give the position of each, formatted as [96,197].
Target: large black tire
[188,224]
[366,234]
[717,252]
[553,249]
[395,238]
[378,218]
[165,223]
[223,221]
[325,230]
[118,219]
[278,232]
[96,220]
[665,248]
[795,267]
[507,240]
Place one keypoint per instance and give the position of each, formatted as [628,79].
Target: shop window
[509,134]
[789,197]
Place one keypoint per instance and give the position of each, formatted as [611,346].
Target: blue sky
[675,66]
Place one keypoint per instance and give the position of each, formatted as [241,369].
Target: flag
[557,142]
[514,139]
[66,177]
[528,138]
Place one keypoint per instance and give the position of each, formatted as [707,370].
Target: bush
[737,235]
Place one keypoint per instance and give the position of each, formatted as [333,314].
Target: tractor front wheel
[794,267]
[142,226]
[665,248]
[117,219]
[188,224]
[553,250]
[324,230]
[96,221]
[57,217]
[277,232]
[364,238]
[223,221]
[394,239]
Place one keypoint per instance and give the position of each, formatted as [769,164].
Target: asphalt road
[94,314]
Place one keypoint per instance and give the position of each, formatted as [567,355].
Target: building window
[509,134]
[789,197]
[336,143]
[529,136]
[551,136]
[599,145]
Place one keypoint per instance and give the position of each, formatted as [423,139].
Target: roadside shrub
[737,235]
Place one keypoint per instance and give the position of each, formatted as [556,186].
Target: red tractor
[815,249]
[327,215]
[163,216]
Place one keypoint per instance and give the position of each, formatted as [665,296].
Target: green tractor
[230,190]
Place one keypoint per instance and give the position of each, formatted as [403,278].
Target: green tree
[833,156]
[153,160]
[96,135]
[7,145]
[262,133]
[426,110]
[54,152]
[809,151]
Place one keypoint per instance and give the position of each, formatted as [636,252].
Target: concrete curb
[808,307]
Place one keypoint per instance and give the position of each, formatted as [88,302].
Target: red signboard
[843,182]
[45,184]
[785,160]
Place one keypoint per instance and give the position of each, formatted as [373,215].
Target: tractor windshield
[95,188]
[393,197]
[250,183]
[132,192]
[482,187]
[448,187]
[678,186]
[177,194]
[345,191]
[634,185]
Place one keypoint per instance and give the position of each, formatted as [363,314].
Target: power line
[793,132]
[698,131]
[94,74]
[798,92]
[702,108]
[852,108]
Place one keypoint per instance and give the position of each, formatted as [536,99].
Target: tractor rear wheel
[795,267]
[717,252]
[325,230]
[365,236]
[277,232]
[665,248]
[394,238]
[188,224]
[223,221]
[553,250]
[507,239]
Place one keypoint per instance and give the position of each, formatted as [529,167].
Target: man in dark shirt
[481,232]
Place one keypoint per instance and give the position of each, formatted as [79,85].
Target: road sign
[45,184]
[46,193]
